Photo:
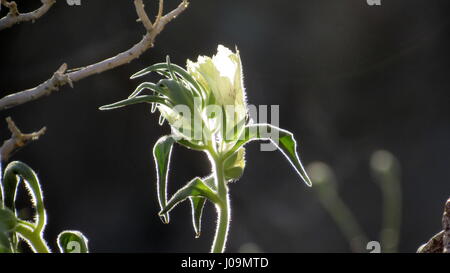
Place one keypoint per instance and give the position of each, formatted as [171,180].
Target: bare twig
[14,16]
[62,77]
[17,140]
[160,11]
[143,17]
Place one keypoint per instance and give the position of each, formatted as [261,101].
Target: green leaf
[209,181]
[8,223]
[161,154]
[169,67]
[72,242]
[8,220]
[285,143]
[135,100]
[5,245]
[16,170]
[195,188]
[197,204]
[1,183]
[190,145]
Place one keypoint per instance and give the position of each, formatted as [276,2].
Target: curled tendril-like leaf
[13,171]
[70,241]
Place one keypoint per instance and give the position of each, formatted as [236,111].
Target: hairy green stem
[33,238]
[223,208]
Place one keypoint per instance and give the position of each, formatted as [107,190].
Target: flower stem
[223,209]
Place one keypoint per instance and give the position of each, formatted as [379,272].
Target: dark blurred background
[349,78]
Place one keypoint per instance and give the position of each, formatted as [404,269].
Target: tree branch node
[17,140]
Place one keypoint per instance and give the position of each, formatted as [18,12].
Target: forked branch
[15,17]
[62,76]
[17,140]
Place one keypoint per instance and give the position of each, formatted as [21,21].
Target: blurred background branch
[386,171]
[324,183]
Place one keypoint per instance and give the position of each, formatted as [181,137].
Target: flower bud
[222,80]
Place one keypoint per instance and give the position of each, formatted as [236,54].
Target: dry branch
[62,77]
[446,226]
[439,243]
[17,140]
[14,16]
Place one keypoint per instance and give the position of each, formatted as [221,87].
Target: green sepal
[165,68]
[177,93]
[234,165]
[135,100]
[148,85]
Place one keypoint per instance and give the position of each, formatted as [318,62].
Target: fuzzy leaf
[197,204]
[5,245]
[8,221]
[72,242]
[190,145]
[161,154]
[195,188]
[285,143]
